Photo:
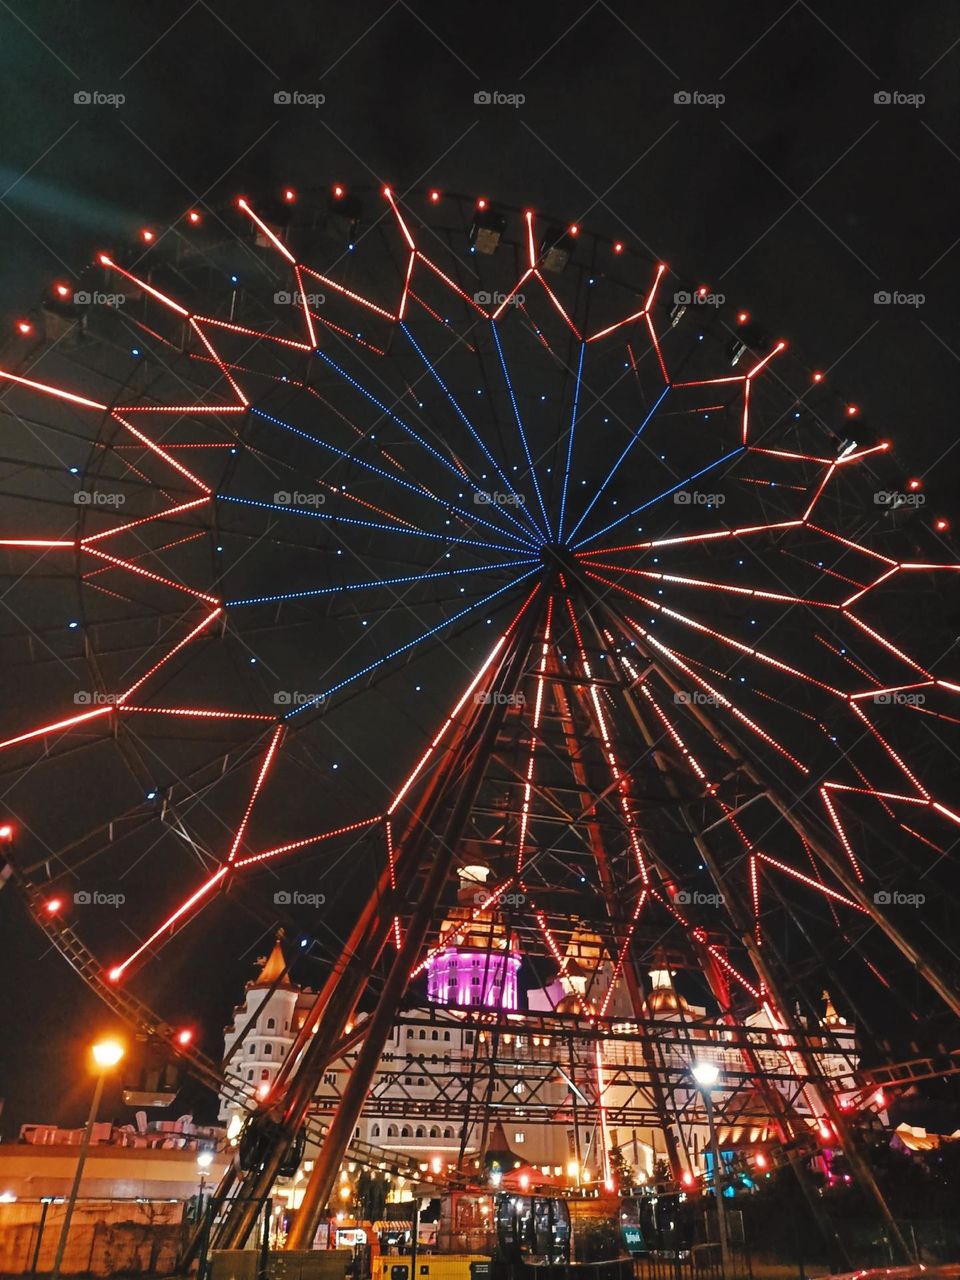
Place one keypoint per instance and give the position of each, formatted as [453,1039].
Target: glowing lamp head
[914,485]
[573,1170]
[706,1074]
[289,195]
[761,1160]
[941,526]
[339,191]
[702,291]
[743,317]
[617,246]
[24,327]
[263,1091]
[436,1164]
[345,1192]
[524,1182]
[687,1178]
[62,290]
[573,229]
[193,217]
[185,1036]
[104,260]
[387,193]
[52,906]
[482,202]
[817,376]
[107,1053]
[204,1159]
[115,975]
[147,236]
[434,197]
[852,411]
[6,831]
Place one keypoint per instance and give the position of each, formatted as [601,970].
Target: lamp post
[706,1076]
[204,1161]
[106,1054]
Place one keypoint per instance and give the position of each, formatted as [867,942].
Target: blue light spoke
[665,494]
[616,466]
[461,479]
[470,517]
[476,435]
[410,644]
[573,425]
[379,582]
[365,524]
[523,437]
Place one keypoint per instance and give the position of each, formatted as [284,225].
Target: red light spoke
[147,573]
[167,656]
[142,284]
[258,786]
[271,235]
[532,754]
[57,726]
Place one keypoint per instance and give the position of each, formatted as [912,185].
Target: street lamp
[706,1074]
[106,1054]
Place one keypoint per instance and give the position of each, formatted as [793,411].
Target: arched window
[434,1132]
[251,1049]
[271,1024]
[264,1074]
[446,1035]
[391,1130]
[268,1050]
[405,1131]
[423,1035]
[435,1035]
[448,1133]
[375,1131]
[250,1074]
[420,1132]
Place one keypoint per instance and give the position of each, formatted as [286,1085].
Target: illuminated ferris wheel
[342,530]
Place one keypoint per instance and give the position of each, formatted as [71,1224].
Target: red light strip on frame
[531,758]
[117,972]
[274,240]
[302,844]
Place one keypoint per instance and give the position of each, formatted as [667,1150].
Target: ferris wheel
[320,506]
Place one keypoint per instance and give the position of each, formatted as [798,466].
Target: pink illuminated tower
[478,960]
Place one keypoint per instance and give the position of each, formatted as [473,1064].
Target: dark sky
[799,195]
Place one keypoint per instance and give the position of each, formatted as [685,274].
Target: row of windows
[405,1132]
[267,1050]
[435,1035]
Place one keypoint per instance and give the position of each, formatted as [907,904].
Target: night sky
[799,195]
